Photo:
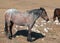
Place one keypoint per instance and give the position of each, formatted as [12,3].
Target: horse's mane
[33,11]
[36,10]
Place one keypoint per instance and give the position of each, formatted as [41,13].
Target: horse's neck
[35,17]
[25,14]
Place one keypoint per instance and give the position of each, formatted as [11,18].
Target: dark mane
[36,11]
[42,9]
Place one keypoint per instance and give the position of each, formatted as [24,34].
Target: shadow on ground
[25,33]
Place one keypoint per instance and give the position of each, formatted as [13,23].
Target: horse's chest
[58,12]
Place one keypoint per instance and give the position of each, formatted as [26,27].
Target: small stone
[43,39]
[44,34]
[44,23]
[45,29]
[17,36]
[16,26]
[2,32]
[15,29]
[48,28]
[37,31]
[41,25]
[57,23]
[33,29]
[49,22]
[36,25]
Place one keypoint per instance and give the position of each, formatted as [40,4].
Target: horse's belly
[20,24]
[19,21]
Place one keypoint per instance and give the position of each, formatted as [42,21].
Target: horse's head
[43,14]
[40,13]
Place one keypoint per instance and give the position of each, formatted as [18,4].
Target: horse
[13,16]
[56,14]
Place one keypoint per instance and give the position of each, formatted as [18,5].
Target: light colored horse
[13,16]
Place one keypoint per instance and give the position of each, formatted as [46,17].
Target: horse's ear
[41,7]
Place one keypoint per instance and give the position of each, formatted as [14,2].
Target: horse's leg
[10,30]
[59,19]
[54,17]
[6,28]
[29,32]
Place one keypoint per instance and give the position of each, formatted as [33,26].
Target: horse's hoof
[30,40]
[10,37]
[13,36]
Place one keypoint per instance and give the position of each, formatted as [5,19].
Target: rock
[45,29]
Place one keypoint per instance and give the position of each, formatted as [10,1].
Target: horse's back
[12,11]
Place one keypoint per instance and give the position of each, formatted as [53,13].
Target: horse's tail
[6,26]
[8,15]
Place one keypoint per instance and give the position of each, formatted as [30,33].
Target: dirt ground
[52,36]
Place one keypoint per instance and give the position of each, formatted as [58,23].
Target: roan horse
[13,16]
[56,14]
